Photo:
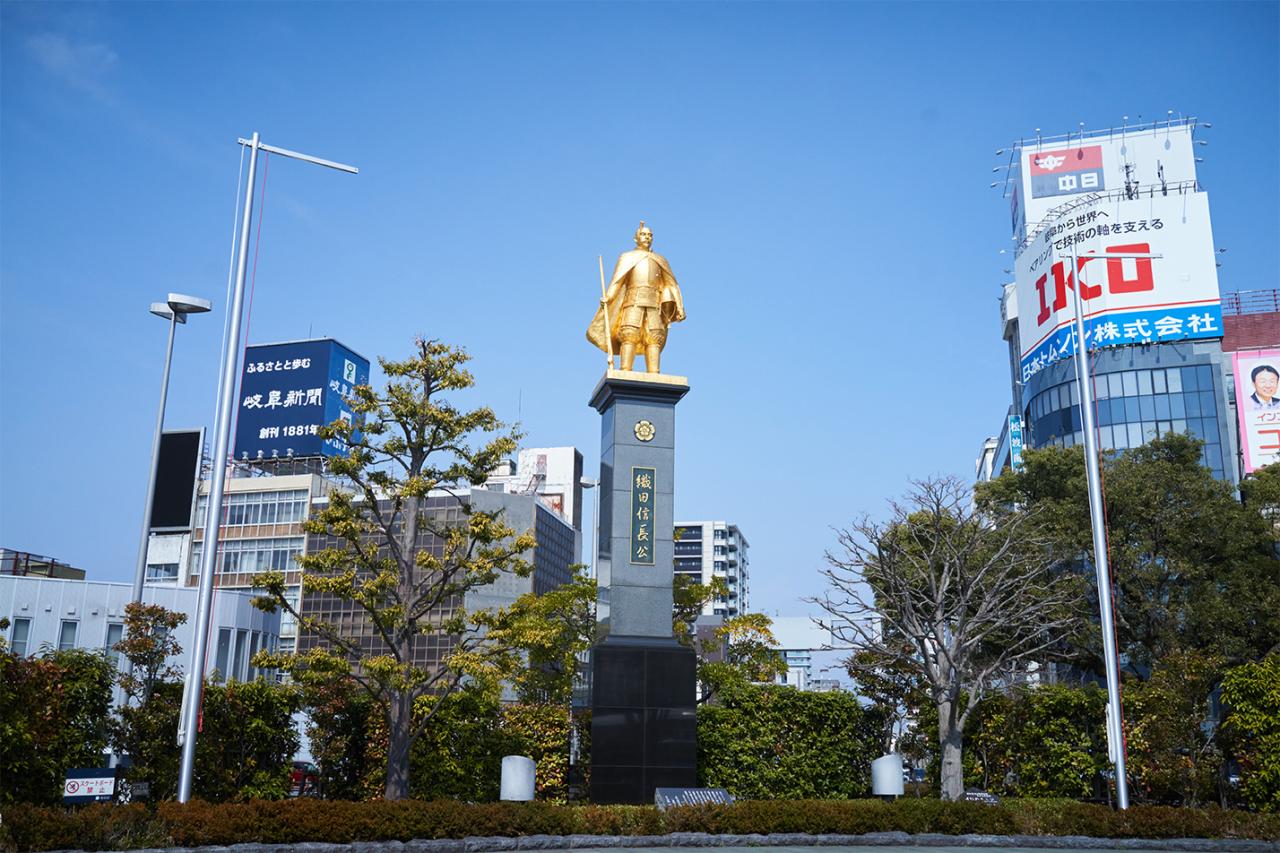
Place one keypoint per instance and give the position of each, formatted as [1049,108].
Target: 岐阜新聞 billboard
[289,391]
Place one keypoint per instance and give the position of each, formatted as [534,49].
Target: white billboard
[1130,301]
[1258,406]
[1046,174]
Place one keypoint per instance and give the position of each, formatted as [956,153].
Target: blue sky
[817,176]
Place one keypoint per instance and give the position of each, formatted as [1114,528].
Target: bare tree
[965,600]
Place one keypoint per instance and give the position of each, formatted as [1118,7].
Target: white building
[798,638]
[715,549]
[74,614]
[554,474]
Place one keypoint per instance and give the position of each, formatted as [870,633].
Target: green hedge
[33,828]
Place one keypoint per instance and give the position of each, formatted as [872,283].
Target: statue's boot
[652,355]
[628,353]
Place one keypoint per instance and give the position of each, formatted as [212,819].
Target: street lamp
[588,483]
[175,309]
[1097,519]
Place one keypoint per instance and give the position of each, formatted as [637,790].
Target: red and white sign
[1258,406]
[1125,301]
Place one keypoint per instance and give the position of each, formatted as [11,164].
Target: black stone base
[643,728]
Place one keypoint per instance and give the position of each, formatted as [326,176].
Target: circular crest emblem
[644,430]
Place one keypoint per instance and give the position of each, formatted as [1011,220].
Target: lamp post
[222,440]
[588,483]
[175,309]
[1101,559]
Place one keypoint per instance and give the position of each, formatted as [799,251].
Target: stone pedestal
[643,732]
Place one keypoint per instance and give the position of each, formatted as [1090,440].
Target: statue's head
[644,237]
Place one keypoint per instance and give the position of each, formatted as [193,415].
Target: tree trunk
[399,720]
[950,737]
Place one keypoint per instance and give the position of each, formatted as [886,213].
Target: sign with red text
[1258,406]
[1125,301]
[1129,163]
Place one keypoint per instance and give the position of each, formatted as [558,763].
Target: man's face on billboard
[1264,384]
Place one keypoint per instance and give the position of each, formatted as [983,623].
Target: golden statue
[639,304]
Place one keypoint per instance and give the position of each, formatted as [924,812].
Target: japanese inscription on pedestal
[643,514]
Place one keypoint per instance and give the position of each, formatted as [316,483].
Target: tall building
[798,638]
[554,474]
[261,530]
[552,560]
[1154,324]
[715,549]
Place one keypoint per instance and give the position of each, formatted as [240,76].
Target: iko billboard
[1258,406]
[288,391]
[1045,175]
[1130,301]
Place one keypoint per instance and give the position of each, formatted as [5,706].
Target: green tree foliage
[1195,570]
[764,742]
[1044,741]
[404,566]
[1251,696]
[148,645]
[347,733]
[53,716]
[739,650]
[1174,757]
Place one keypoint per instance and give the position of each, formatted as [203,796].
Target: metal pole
[213,512]
[595,535]
[140,574]
[1102,569]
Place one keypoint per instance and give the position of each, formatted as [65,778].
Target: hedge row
[105,827]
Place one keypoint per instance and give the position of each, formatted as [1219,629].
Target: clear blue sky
[816,174]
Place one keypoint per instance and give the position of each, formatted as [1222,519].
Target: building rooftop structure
[24,564]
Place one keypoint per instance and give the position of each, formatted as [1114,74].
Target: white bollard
[518,774]
[886,776]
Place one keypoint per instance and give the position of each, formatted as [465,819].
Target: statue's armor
[641,315]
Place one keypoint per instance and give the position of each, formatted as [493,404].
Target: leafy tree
[348,741]
[1043,741]
[53,716]
[1251,696]
[400,562]
[1194,569]
[148,645]
[964,599]
[893,686]
[764,742]
[739,650]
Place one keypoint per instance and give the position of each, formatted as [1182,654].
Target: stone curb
[501,844]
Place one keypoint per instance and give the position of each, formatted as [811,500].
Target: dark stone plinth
[643,724]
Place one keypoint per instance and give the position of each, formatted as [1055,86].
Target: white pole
[1101,563]
[213,511]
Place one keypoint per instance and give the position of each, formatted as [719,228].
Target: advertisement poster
[1258,406]
[1125,301]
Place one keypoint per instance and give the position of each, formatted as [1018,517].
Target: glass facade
[250,556]
[1135,406]
[240,509]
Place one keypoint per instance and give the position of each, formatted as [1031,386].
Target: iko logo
[1048,162]
[349,371]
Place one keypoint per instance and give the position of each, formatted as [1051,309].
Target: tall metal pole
[140,573]
[213,511]
[1102,568]
[139,576]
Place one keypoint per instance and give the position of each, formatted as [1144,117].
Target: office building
[76,614]
[261,531]
[715,549]
[23,564]
[554,474]
[1155,324]
[552,561]
[798,638]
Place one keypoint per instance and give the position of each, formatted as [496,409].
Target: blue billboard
[288,391]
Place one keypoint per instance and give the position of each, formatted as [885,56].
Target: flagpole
[604,309]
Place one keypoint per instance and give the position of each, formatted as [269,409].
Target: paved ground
[856,849]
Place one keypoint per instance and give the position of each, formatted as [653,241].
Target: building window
[67,635]
[20,636]
[722,534]
[222,660]
[115,633]
[162,571]
[245,508]
[250,556]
